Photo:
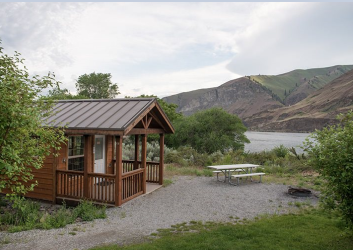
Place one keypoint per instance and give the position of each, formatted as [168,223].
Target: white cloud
[175,82]
[166,48]
[290,36]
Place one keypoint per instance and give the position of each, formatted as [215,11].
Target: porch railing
[132,184]
[69,183]
[152,171]
[101,187]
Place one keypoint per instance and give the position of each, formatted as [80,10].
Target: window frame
[75,156]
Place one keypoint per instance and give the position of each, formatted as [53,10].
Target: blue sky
[167,48]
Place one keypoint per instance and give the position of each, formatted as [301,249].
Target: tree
[168,108]
[209,131]
[24,141]
[56,93]
[331,153]
[97,86]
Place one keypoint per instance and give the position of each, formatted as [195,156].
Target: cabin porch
[120,180]
[101,188]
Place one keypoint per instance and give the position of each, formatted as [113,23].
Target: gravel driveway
[188,198]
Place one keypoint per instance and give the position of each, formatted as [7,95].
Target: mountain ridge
[250,96]
[314,112]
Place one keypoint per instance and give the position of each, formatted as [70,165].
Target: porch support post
[87,163]
[161,158]
[137,150]
[143,161]
[119,171]
[55,167]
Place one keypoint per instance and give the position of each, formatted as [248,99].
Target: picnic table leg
[229,180]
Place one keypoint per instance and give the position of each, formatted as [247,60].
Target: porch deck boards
[151,187]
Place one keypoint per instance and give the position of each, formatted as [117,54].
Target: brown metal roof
[105,114]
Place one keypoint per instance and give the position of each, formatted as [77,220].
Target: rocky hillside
[314,112]
[248,95]
[241,96]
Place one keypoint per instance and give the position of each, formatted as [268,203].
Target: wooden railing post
[55,181]
[137,150]
[119,171]
[87,163]
[143,161]
[161,158]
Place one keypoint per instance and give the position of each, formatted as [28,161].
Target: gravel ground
[188,198]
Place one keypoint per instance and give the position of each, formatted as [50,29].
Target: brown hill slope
[243,96]
[314,112]
[240,96]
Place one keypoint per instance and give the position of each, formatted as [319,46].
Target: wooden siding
[62,158]
[45,178]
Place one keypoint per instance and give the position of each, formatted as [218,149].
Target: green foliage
[309,230]
[152,149]
[97,86]
[62,94]
[331,153]
[24,141]
[209,131]
[27,215]
[87,211]
[280,151]
[281,84]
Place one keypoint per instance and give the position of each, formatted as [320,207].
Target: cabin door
[99,154]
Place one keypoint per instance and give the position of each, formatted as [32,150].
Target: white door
[99,154]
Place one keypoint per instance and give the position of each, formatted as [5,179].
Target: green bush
[26,215]
[61,218]
[280,151]
[209,131]
[331,153]
[153,150]
[87,211]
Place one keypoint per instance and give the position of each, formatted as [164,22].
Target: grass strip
[313,230]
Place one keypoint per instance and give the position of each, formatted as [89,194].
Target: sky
[163,48]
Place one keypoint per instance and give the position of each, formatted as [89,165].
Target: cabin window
[76,153]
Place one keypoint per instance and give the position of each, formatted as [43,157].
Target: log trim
[161,158]
[119,171]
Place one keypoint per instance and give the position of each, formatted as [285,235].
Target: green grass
[289,81]
[167,182]
[174,170]
[308,230]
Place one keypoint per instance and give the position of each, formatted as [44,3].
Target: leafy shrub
[26,215]
[209,131]
[152,150]
[280,151]
[87,211]
[331,153]
[61,218]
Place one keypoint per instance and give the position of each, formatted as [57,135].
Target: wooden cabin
[90,166]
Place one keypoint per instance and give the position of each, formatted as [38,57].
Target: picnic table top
[233,166]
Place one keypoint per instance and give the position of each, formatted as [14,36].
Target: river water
[260,141]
